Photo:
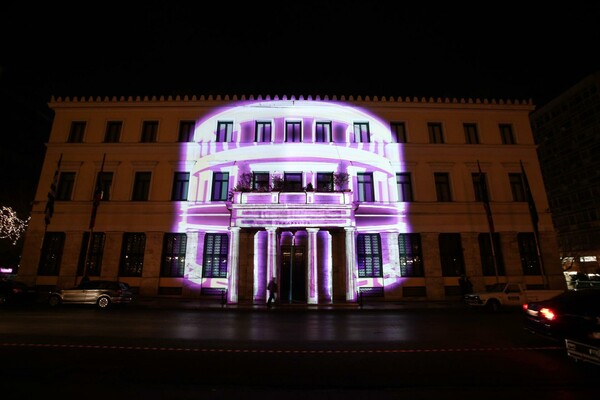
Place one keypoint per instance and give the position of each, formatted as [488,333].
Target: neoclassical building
[332,197]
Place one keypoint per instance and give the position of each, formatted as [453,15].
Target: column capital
[350,229]
[234,228]
[271,228]
[312,230]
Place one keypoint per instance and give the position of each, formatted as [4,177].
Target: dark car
[575,314]
[13,292]
[102,293]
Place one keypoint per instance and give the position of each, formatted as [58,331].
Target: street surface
[131,352]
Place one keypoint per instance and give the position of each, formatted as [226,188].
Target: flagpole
[483,196]
[534,222]
[49,210]
[98,194]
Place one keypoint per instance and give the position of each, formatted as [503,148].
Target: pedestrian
[272,288]
[466,287]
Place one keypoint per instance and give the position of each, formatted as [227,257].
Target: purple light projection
[277,214]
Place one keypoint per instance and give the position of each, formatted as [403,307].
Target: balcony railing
[333,198]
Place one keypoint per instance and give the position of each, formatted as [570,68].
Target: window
[451,254]
[64,190]
[435,133]
[91,254]
[530,261]
[263,132]
[506,134]
[186,131]
[76,132]
[368,249]
[442,186]
[293,131]
[105,179]
[516,186]
[324,181]
[411,256]
[361,132]
[224,131]
[471,135]
[52,251]
[141,186]
[323,132]
[181,181]
[173,255]
[216,247]
[149,131]
[398,132]
[220,186]
[132,254]
[365,186]
[113,132]
[480,186]
[292,182]
[403,182]
[260,181]
[487,255]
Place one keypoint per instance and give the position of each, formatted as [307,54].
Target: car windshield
[497,287]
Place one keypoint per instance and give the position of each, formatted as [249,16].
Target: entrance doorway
[293,275]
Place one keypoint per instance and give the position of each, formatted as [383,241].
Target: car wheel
[103,302]
[493,305]
[54,301]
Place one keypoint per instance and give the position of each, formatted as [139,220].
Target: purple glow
[280,219]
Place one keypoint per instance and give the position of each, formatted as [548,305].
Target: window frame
[292,182]
[141,186]
[452,261]
[296,130]
[365,187]
[224,132]
[436,132]
[507,134]
[260,127]
[77,132]
[410,255]
[261,181]
[149,131]
[221,256]
[362,132]
[172,261]
[325,182]
[181,183]
[366,252]
[404,187]
[471,133]
[517,186]
[66,183]
[113,132]
[51,255]
[220,186]
[530,261]
[398,130]
[94,257]
[186,131]
[133,247]
[443,189]
[323,132]
[487,257]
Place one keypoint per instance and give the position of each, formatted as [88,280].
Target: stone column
[311,272]
[271,254]
[234,265]
[350,264]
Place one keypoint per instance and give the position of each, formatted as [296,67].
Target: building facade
[567,131]
[190,196]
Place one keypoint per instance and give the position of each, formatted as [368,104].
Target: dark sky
[509,50]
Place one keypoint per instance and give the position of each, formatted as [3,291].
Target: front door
[292,284]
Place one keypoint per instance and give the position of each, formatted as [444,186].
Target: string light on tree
[11,226]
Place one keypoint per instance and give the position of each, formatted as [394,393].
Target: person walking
[272,288]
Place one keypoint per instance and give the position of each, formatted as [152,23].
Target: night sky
[507,50]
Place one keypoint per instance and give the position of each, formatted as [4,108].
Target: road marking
[279,351]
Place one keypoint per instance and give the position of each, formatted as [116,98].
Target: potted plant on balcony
[277,181]
[340,180]
[244,183]
[309,187]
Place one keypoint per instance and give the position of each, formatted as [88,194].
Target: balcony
[284,198]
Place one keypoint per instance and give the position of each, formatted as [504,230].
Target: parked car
[13,292]
[102,293]
[575,314]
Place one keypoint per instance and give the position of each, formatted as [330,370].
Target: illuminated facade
[331,197]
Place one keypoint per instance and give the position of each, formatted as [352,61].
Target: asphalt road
[81,352]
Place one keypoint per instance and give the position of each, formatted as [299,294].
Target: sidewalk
[160,302]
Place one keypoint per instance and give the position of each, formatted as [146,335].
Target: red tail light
[525,306]
[548,314]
